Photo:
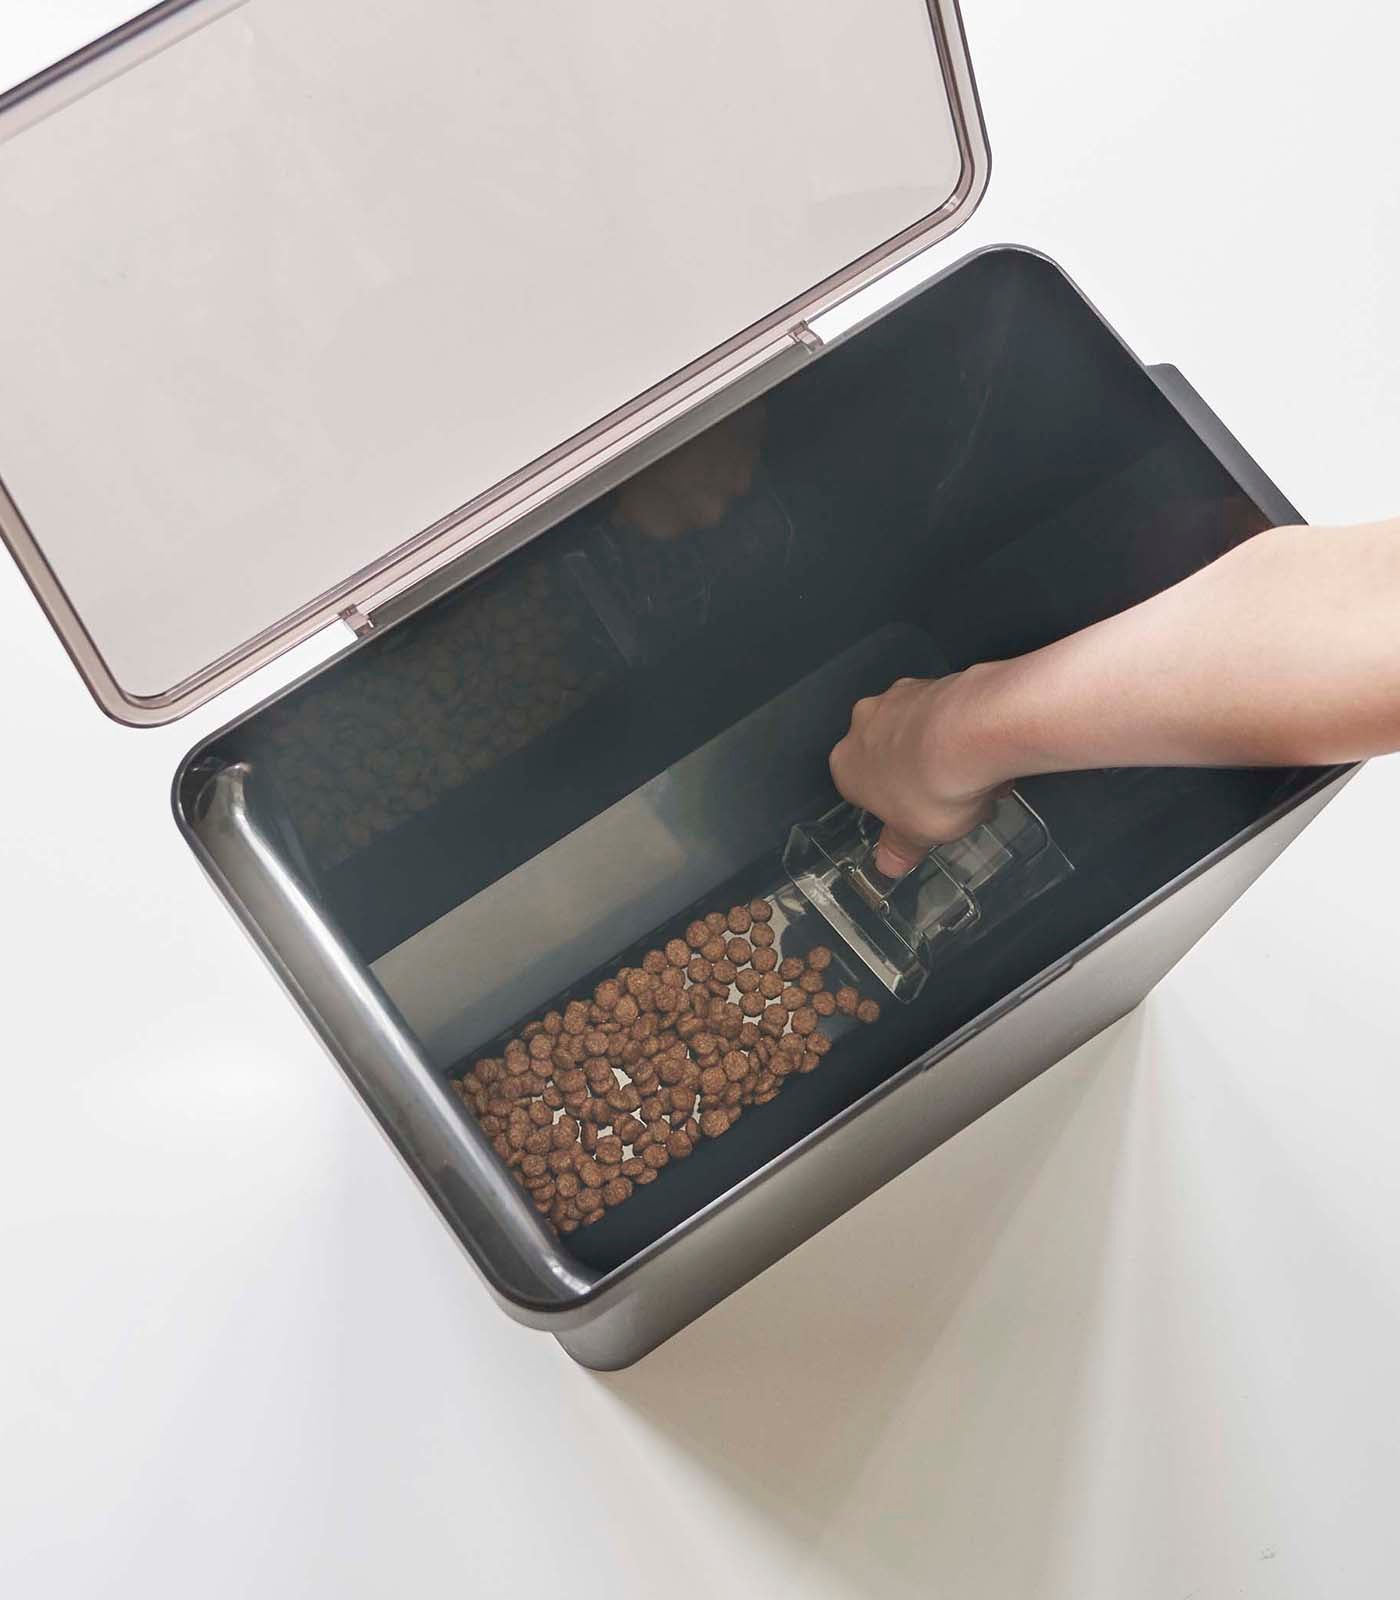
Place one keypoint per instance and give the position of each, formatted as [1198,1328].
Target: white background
[1132,1337]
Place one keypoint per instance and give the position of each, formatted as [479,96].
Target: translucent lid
[290,289]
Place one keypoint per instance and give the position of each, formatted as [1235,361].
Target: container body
[544,774]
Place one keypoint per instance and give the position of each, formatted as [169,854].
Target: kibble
[593,1099]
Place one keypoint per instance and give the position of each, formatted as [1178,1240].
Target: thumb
[897,854]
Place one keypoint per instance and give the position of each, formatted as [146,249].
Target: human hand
[911,758]
[693,487]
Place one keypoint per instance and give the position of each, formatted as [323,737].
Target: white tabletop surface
[1131,1337]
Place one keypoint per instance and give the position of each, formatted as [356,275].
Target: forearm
[1286,651]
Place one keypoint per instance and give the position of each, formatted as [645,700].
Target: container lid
[295,293]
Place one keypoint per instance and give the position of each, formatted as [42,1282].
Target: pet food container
[535,351]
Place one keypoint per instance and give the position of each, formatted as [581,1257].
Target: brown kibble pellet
[764,960]
[725,970]
[534,1166]
[590,1202]
[811,981]
[713,1123]
[632,1166]
[647,1175]
[568,1184]
[607,994]
[717,988]
[696,934]
[560,1161]
[735,1065]
[749,1036]
[540,1114]
[627,1009]
[824,1004]
[618,1190]
[712,1080]
[847,1000]
[760,910]
[739,920]
[677,952]
[792,997]
[595,1042]
[589,1172]
[818,1043]
[588,1137]
[819,958]
[576,1017]
[673,978]
[791,969]
[714,921]
[747,982]
[652,1107]
[640,983]
[810,1061]
[679,1145]
[654,963]
[553,1023]
[541,1047]
[656,1157]
[761,936]
[804,1020]
[609,1150]
[868,1011]
[739,952]
[713,948]
[698,970]
[682,1100]
[774,1022]
[537,1143]
[752,1005]
[770,985]
[629,1128]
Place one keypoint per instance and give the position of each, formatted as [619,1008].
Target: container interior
[550,771]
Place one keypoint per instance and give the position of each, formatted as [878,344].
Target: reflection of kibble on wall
[590,1102]
[408,725]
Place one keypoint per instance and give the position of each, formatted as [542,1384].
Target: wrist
[968,751]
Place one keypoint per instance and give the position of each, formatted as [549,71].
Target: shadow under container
[552,767]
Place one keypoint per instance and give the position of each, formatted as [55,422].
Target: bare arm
[1285,651]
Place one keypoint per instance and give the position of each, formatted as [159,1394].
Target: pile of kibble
[590,1101]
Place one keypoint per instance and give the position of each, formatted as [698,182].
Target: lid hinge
[359,623]
[806,335]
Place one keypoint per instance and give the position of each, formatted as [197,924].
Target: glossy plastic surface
[535,779]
